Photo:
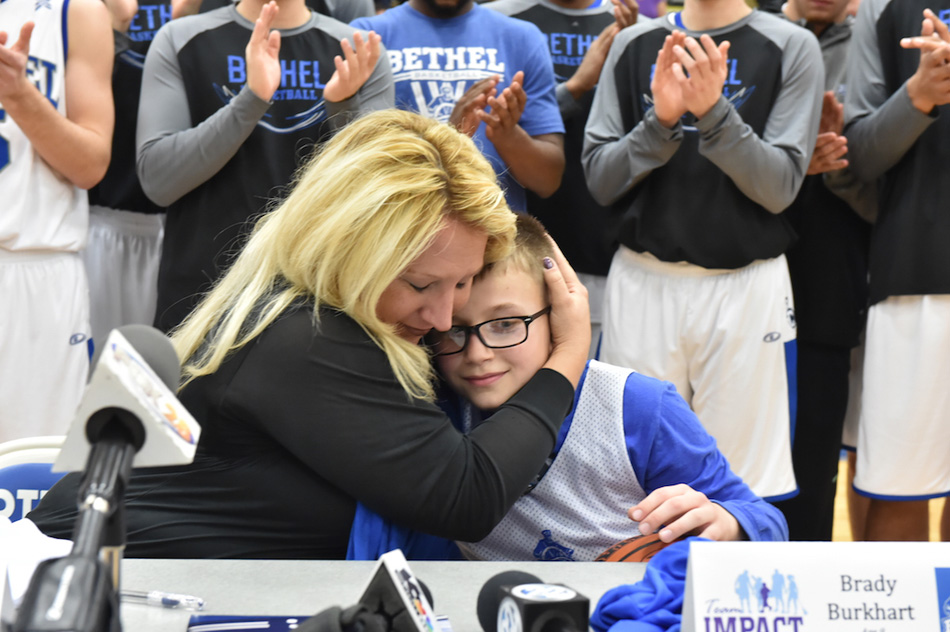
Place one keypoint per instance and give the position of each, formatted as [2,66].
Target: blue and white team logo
[147,20]
[44,75]
[568,49]
[442,104]
[548,550]
[734,90]
[437,77]
[299,82]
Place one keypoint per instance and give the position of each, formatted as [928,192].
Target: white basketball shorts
[122,258]
[44,341]
[726,339]
[904,430]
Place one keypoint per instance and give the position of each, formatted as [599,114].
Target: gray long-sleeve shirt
[906,149]
[215,153]
[708,191]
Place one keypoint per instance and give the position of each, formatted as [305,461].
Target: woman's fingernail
[637,514]
[548,263]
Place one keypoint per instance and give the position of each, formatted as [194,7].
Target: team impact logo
[758,602]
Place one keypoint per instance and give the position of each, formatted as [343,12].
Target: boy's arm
[669,449]
[79,145]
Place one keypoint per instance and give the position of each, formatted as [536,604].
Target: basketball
[639,548]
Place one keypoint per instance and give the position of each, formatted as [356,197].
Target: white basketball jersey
[41,209]
[579,508]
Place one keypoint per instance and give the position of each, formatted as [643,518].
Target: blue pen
[163,599]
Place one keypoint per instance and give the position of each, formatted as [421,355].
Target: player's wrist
[917,96]
[23,97]
[667,119]
[702,109]
[579,85]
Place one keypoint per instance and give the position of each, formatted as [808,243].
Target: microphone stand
[79,592]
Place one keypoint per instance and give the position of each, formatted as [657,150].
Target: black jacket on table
[300,424]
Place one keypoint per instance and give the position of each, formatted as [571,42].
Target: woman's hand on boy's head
[570,317]
[679,510]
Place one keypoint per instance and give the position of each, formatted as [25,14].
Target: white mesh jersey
[579,508]
[41,209]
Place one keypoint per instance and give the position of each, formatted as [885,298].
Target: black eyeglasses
[498,333]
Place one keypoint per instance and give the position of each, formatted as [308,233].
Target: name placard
[803,586]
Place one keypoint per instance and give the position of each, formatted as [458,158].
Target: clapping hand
[930,84]
[830,146]
[354,68]
[263,63]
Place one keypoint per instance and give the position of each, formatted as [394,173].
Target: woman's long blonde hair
[360,211]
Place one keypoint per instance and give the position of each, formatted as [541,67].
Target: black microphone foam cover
[489,597]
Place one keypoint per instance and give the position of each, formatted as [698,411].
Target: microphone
[394,600]
[515,601]
[128,416]
[132,392]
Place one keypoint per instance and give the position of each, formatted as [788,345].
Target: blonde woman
[305,370]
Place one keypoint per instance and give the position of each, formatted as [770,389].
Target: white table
[255,587]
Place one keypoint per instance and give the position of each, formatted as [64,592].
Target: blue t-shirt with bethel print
[435,60]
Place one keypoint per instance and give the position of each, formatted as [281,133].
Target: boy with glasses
[631,458]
